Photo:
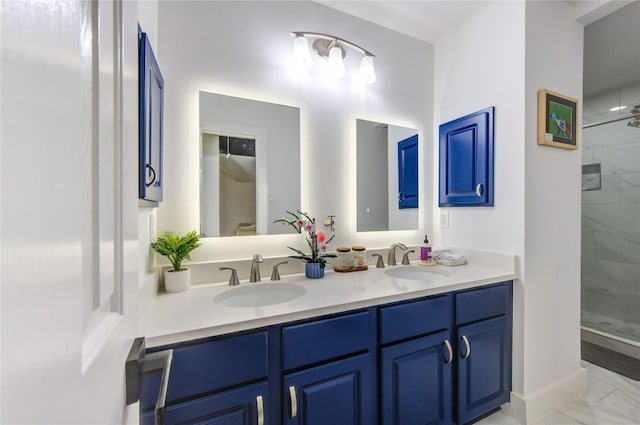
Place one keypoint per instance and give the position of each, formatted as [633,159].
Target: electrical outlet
[444,219]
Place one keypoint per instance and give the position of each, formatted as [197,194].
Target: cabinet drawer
[322,340]
[414,318]
[209,366]
[482,303]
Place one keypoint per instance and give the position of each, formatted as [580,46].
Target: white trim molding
[531,409]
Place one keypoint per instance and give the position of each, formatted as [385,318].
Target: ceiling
[612,43]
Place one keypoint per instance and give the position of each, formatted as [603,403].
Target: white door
[68,224]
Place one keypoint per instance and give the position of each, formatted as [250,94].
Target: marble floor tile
[498,418]
[617,408]
[611,399]
[557,418]
[598,389]
[622,383]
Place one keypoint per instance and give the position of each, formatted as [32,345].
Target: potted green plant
[176,249]
[317,241]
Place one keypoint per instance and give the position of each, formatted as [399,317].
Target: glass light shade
[301,53]
[336,66]
[366,74]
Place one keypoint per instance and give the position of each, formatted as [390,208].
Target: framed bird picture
[557,120]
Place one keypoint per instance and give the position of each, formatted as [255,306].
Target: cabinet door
[484,368]
[243,406]
[339,393]
[151,115]
[408,173]
[466,160]
[416,381]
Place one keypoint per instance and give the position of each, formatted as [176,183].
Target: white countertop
[172,318]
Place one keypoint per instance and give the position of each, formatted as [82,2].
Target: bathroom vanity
[416,345]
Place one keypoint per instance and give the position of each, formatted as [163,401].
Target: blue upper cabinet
[466,160]
[151,111]
[408,173]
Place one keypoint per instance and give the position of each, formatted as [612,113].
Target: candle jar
[359,256]
[344,260]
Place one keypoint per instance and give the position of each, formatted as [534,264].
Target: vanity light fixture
[332,48]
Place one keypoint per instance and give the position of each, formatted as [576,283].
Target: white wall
[243,49]
[500,58]
[552,203]
[481,65]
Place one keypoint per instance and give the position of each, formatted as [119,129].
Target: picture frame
[150,125]
[557,120]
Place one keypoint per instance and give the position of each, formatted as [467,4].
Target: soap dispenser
[425,250]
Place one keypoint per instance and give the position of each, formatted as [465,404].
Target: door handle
[138,364]
[479,189]
[294,401]
[449,351]
[260,409]
[468,347]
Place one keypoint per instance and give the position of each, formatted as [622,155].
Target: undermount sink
[260,294]
[416,273]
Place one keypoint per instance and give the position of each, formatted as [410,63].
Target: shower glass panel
[611,230]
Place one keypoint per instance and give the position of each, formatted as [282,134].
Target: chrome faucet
[391,259]
[254,276]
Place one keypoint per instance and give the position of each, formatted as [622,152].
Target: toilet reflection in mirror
[247,175]
[387,177]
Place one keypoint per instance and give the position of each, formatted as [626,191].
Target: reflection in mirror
[387,171]
[247,177]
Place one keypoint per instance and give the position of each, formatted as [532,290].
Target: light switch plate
[444,219]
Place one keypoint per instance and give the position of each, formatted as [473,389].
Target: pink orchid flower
[322,237]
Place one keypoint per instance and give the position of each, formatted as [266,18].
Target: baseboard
[528,410]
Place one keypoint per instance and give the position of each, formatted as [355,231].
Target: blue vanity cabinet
[484,339]
[416,380]
[416,362]
[329,375]
[220,380]
[466,161]
[442,359]
[242,406]
[339,392]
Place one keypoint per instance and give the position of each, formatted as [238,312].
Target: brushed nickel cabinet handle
[468,346]
[294,401]
[449,351]
[260,409]
[479,188]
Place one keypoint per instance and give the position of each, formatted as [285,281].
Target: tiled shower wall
[611,218]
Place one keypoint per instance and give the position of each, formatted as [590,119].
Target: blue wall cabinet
[416,381]
[150,122]
[408,173]
[336,393]
[466,160]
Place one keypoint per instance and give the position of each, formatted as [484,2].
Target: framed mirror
[249,165]
[387,177]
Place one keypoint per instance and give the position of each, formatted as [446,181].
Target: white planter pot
[177,281]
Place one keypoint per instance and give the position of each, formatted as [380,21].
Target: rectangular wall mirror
[387,177]
[249,165]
